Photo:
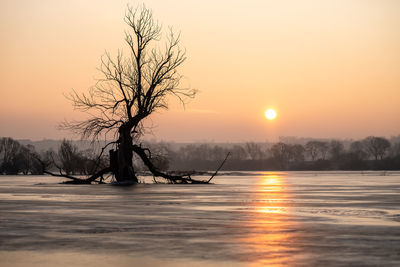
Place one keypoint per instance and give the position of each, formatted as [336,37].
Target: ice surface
[274,219]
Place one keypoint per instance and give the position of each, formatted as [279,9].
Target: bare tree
[336,149]
[311,150]
[68,157]
[134,85]
[238,152]
[297,153]
[376,146]
[9,151]
[286,153]
[254,150]
[16,158]
[281,153]
[317,149]
[357,149]
[395,150]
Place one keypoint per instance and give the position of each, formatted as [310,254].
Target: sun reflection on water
[271,203]
[271,179]
[270,234]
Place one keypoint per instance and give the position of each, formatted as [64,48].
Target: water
[274,219]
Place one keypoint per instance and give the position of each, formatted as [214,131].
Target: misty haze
[212,133]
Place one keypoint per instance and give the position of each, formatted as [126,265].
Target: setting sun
[270,114]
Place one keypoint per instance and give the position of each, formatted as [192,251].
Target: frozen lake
[271,218]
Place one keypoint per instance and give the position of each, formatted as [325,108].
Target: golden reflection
[271,182]
[270,229]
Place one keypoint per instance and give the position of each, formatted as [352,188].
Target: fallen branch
[76,180]
[220,166]
[179,179]
[101,153]
[99,174]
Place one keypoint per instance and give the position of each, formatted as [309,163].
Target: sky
[330,68]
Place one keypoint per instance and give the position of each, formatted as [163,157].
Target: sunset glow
[219,133]
[333,62]
[270,114]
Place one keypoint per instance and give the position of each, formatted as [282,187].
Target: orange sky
[329,68]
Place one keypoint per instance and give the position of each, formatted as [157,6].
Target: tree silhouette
[317,149]
[376,146]
[282,154]
[133,86]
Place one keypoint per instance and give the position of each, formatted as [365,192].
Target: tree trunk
[123,170]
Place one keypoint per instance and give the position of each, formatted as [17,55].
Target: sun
[270,114]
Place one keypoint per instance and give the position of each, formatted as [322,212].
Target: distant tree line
[16,158]
[371,153]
